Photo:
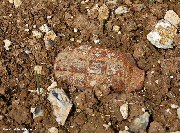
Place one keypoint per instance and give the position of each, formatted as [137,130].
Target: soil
[94,107]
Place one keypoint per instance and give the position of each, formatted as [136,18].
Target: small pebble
[116,28]
[140,123]
[124,110]
[37,34]
[53,130]
[7,44]
[121,10]
[172,17]
[75,30]
[44,28]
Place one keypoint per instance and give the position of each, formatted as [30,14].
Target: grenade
[88,66]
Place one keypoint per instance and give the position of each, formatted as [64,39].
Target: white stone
[116,28]
[172,17]
[72,39]
[11,1]
[53,85]
[37,112]
[96,41]
[17,3]
[75,30]
[124,110]
[178,113]
[53,130]
[121,10]
[37,34]
[111,2]
[49,17]
[163,34]
[44,28]
[174,106]
[61,104]
[7,44]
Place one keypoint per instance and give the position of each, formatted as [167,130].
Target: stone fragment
[163,34]
[140,123]
[172,17]
[7,44]
[37,112]
[53,130]
[17,3]
[121,10]
[44,28]
[116,28]
[124,110]
[61,104]
[37,34]
[87,66]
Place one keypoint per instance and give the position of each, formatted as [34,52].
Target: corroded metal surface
[86,66]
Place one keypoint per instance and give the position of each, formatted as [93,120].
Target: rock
[61,104]
[116,28]
[53,130]
[163,34]
[124,110]
[87,66]
[174,106]
[140,123]
[44,28]
[178,113]
[156,127]
[7,44]
[111,2]
[103,13]
[2,90]
[121,10]
[37,112]
[175,132]
[37,34]
[172,17]
[17,3]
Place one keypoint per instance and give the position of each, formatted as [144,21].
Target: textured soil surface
[95,109]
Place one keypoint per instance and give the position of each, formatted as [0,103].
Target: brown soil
[90,110]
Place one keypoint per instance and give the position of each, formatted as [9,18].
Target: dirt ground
[90,111]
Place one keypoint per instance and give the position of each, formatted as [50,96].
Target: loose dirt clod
[86,67]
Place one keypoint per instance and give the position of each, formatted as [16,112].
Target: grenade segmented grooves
[87,66]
